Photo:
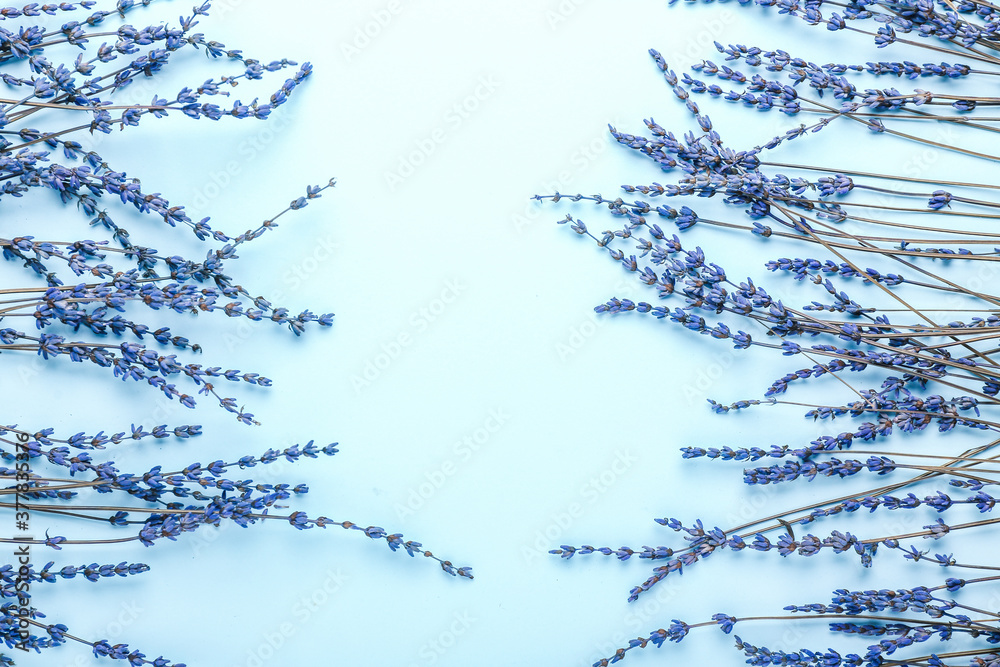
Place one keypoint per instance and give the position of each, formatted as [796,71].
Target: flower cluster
[83,299]
[878,327]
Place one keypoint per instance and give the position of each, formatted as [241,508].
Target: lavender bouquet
[917,352]
[55,109]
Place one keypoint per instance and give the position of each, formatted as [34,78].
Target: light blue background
[463,314]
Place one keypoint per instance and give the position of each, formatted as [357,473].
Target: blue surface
[480,406]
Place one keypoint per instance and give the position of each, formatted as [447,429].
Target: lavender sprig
[884,232]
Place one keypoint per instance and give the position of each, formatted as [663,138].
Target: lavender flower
[913,369]
[80,301]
